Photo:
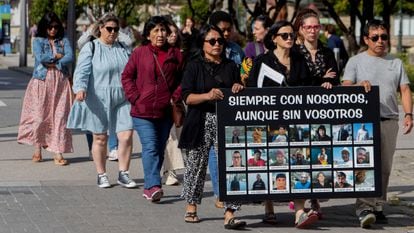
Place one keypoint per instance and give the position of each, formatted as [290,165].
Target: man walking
[376,67]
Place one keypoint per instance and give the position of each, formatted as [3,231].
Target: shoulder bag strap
[162,72]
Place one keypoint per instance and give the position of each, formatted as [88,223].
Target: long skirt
[45,111]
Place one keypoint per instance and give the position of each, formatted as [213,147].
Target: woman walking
[48,97]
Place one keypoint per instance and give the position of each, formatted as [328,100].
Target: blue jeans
[213,167]
[112,141]
[153,134]
[89,139]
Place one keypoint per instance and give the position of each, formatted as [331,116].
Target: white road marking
[2,104]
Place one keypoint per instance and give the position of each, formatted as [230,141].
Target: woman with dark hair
[290,64]
[203,77]
[189,33]
[321,182]
[151,79]
[101,107]
[321,134]
[279,41]
[48,97]
[261,26]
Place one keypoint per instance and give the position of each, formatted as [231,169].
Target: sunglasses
[384,37]
[213,41]
[316,27]
[112,29]
[55,26]
[285,35]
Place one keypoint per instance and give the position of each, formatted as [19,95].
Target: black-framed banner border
[366,103]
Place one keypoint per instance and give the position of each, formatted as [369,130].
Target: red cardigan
[145,88]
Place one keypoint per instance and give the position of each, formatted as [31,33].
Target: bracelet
[408,114]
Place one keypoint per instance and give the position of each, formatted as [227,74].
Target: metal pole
[23,35]
[399,46]
[157,6]
[71,29]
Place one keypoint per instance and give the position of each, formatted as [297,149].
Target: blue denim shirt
[234,52]
[44,55]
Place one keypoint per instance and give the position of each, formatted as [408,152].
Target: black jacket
[298,72]
[200,77]
[329,61]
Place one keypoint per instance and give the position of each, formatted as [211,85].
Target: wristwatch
[408,114]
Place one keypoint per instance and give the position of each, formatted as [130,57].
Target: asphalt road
[12,87]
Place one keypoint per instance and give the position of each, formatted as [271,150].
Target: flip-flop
[234,224]
[193,216]
[305,220]
[270,218]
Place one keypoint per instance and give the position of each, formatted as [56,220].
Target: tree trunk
[353,46]
[386,15]
[350,35]
[367,14]
[190,5]
[297,4]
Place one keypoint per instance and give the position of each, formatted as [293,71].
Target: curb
[25,70]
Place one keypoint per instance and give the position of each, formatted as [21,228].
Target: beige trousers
[173,158]
[389,132]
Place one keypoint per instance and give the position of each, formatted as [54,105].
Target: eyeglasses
[384,37]
[114,29]
[285,35]
[213,41]
[315,27]
[55,26]
[236,157]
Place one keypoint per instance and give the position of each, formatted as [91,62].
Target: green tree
[39,7]
[197,9]
[122,8]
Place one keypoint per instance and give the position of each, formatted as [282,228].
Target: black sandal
[193,216]
[270,218]
[234,224]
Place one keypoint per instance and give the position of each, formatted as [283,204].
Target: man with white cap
[347,162]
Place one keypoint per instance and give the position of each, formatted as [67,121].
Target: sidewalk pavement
[43,197]
[11,61]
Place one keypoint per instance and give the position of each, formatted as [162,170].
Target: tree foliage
[123,8]
[39,7]
[343,7]
[196,9]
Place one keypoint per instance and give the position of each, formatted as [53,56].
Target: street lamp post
[23,35]
[71,28]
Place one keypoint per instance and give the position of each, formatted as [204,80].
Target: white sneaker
[113,155]
[172,179]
